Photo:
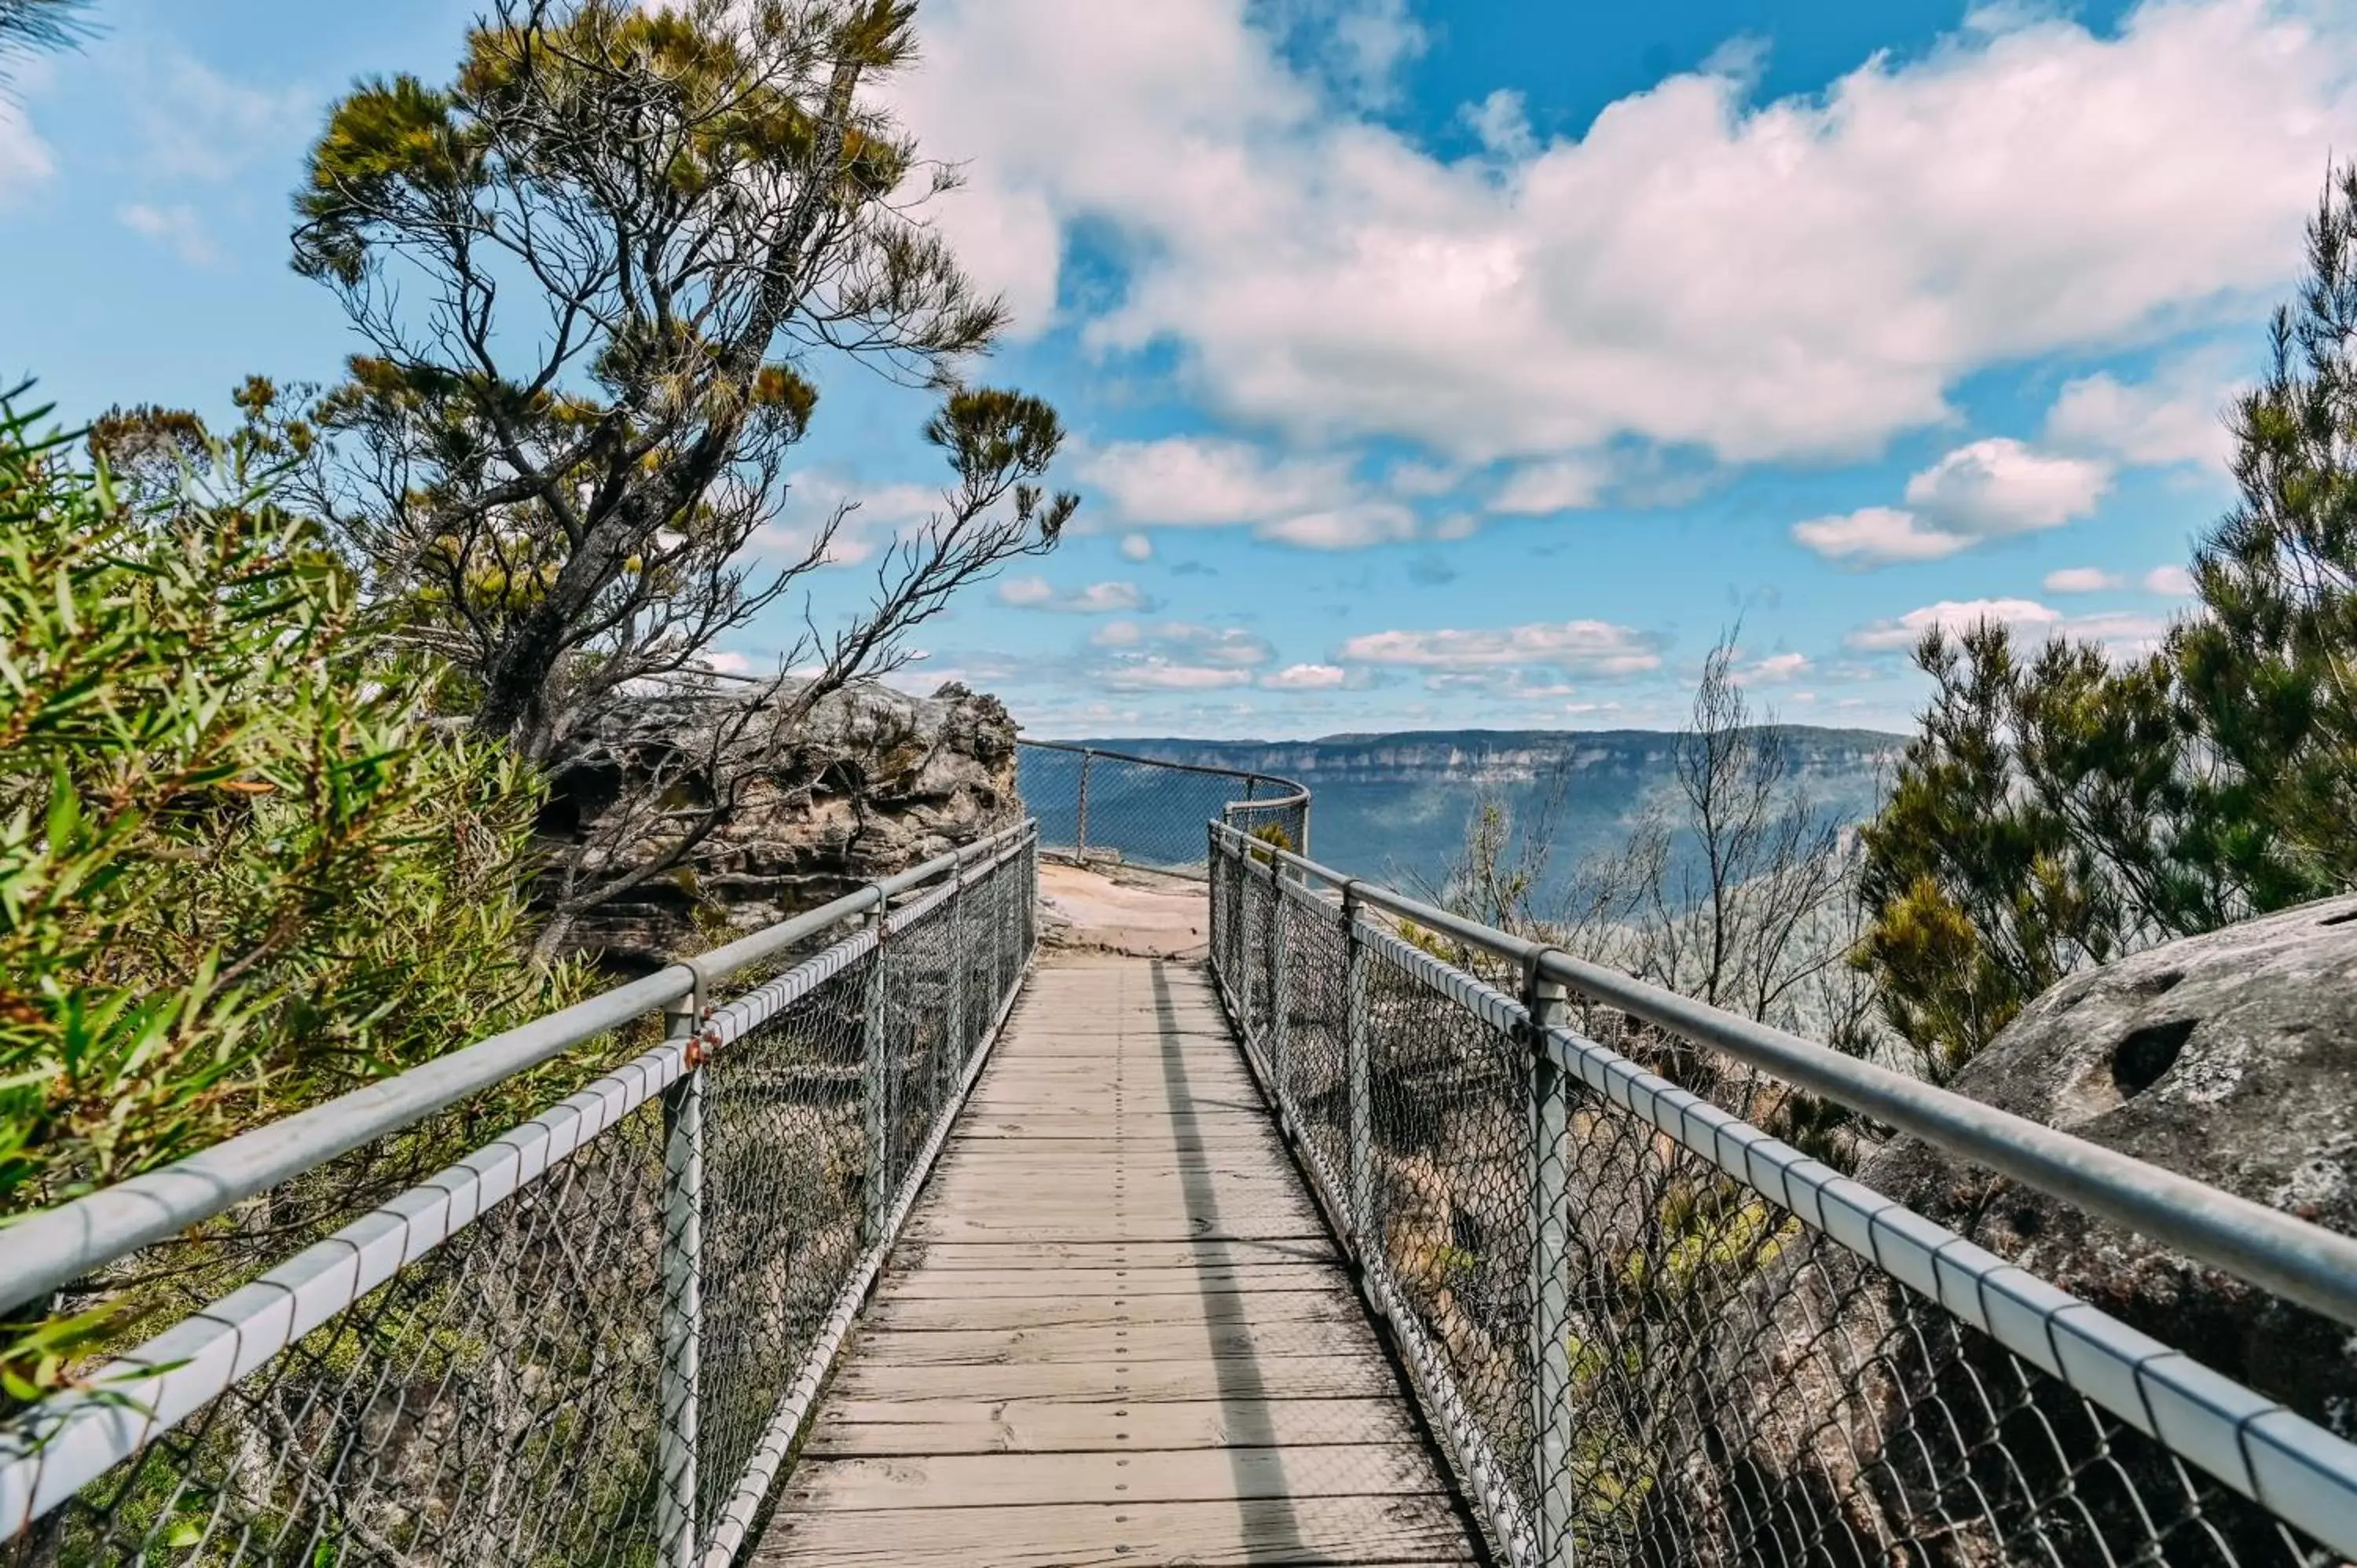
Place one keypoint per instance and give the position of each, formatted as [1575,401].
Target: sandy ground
[1120,910]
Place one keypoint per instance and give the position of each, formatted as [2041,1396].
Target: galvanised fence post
[680,1396]
[1358,1061]
[1550,1279]
[877,1084]
[1080,847]
[959,969]
[1277,1002]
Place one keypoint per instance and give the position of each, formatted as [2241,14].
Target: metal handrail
[2298,1261]
[52,1249]
[1294,796]
[52,1451]
[2302,1474]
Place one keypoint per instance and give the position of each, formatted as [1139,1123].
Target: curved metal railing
[1651,1332]
[592,1340]
[1094,804]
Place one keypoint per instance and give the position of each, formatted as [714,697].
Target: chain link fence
[1649,1333]
[1098,807]
[594,1339]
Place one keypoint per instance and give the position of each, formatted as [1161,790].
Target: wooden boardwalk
[1116,1331]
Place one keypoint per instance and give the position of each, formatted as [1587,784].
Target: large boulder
[2230,1058]
[874,782]
[1849,1420]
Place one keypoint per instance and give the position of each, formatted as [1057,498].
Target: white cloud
[1542,488]
[2082,580]
[1584,647]
[1776,669]
[1344,528]
[1305,678]
[1196,481]
[1806,276]
[2177,416]
[1987,490]
[2123,634]
[25,159]
[1097,599]
[2173,581]
[1998,486]
[1136,547]
[1200,481]
[1155,674]
[1878,536]
[1503,122]
[176,228]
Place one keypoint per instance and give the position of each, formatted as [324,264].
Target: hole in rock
[2146,1053]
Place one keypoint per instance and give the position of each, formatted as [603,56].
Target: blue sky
[1427,364]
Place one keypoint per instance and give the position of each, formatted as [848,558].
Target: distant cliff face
[1396,805]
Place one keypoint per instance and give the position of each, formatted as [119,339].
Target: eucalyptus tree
[598,274]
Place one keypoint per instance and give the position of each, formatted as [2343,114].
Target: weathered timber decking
[1116,1331]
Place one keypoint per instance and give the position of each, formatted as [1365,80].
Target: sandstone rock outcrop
[876,782]
[2230,1057]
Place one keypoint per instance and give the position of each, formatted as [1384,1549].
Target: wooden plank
[1410,1529]
[1146,1342]
[1048,1310]
[1116,1383]
[1115,1330]
[1119,1253]
[976,1285]
[883,1428]
[1161,1476]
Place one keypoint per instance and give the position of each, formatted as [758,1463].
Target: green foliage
[2056,811]
[27,27]
[237,874]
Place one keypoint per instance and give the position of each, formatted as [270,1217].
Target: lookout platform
[1116,1329]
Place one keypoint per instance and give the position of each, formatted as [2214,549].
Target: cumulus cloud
[1775,669]
[1097,599]
[1581,647]
[1999,486]
[2082,580]
[1200,481]
[2176,416]
[2173,581]
[1136,547]
[1984,490]
[1196,481]
[1988,200]
[2123,634]
[1305,678]
[1878,536]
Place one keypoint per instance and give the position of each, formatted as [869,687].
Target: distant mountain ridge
[1396,804]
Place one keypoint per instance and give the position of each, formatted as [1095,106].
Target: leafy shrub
[239,871]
